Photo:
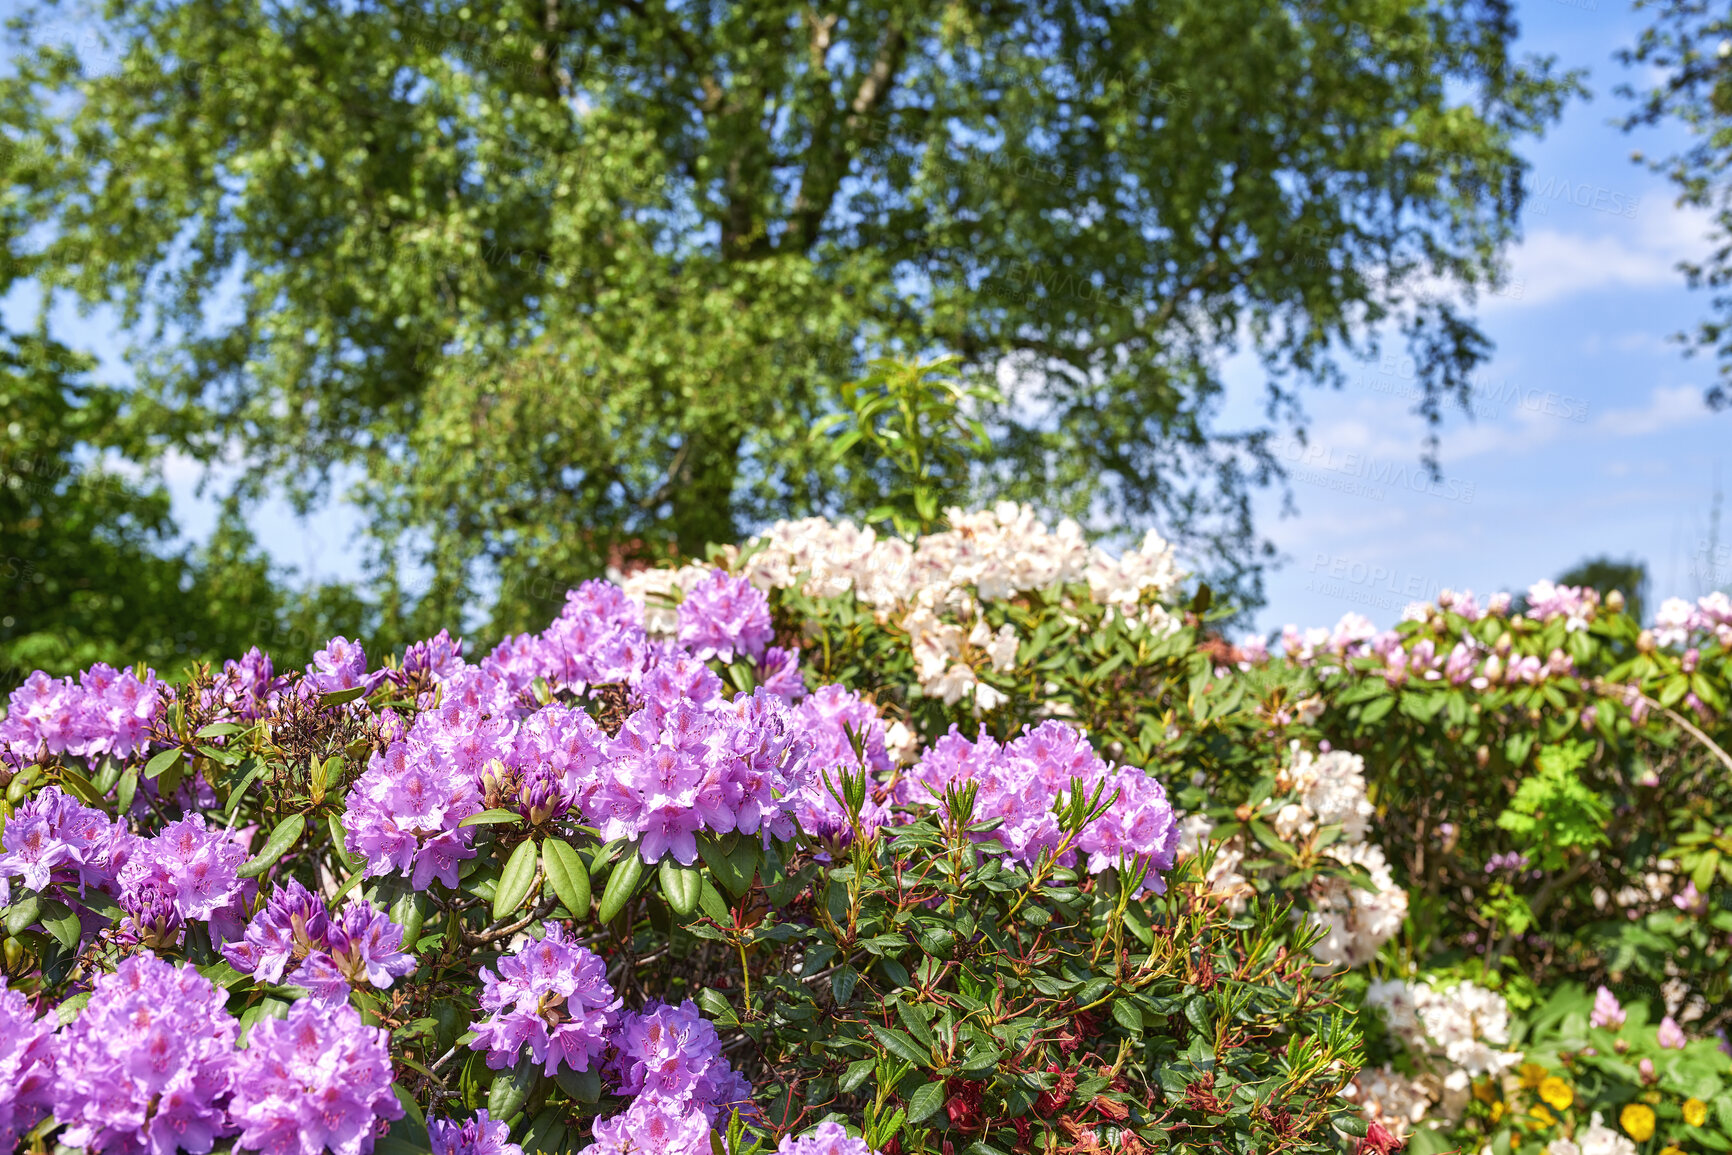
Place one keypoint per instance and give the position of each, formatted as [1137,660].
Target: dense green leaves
[575,285]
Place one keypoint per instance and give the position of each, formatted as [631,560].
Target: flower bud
[1504,643]
[1615,601]
[1645,641]
[1482,757]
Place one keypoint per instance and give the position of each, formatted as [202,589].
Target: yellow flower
[1638,1121]
[1496,1111]
[1671,1151]
[1539,1112]
[1557,1092]
[1695,1112]
[1482,1090]
[1532,1075]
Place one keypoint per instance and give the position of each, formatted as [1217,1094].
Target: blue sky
[1592,437]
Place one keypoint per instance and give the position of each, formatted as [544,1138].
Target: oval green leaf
[163,760]
[681,886]
[283,837]
[566,873]
[515,880]
[620,885]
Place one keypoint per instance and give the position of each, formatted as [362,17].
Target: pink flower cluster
[1020,781]
[551,996]
[1678,621]
[150,1065]
[186,873]
[670,1060]
[55,841]
[359,945]
[107,712]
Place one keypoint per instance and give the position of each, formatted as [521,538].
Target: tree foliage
[577,280]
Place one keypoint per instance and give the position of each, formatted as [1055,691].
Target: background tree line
[574,281]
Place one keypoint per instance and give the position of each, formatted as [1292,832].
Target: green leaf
[567,875]
[219,730]
[899,1044]
[733,870]
[59,920]
[340,841]
[515,880]
[584,1086]
[681,886]
[711,903]
[162,761]
[925,1100]
[126,791]
[348,884]
[283,837]
[855,1075]
[338,697]
[80,787]
[620,885]
[490,817]
[239,791]
[23,913]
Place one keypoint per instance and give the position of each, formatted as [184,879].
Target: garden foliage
[979,841]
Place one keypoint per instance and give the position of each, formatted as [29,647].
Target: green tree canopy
[91,568]
[1689,48]
[578,278]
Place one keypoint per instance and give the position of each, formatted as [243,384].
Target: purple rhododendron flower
[479,1136]
[341,665]
[26,1066]
[779,673]
[1606,1012]
[197,868]
[598,638]
[652,1126]
[107,712]
[53,839]
[288,929]
[318,1079]
[366,946]
[735,767]
[437,659]
[148,1063]
[404,812]
[824,719]
[552,995]
[41,719]
[357,946]
[828,1138]
[116,712]
[673,1053]
[1020,781]
[152,917]
[245,687]
[724,617]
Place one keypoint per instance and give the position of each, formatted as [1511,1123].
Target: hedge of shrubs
[985,841]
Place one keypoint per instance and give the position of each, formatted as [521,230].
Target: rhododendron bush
[1514,810]
[647,881]
[984,841]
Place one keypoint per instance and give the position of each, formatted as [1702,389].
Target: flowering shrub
[1522,798]
[985,840]
[632,884]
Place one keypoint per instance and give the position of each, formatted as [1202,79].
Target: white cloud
[1668,406]
[1550,264]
